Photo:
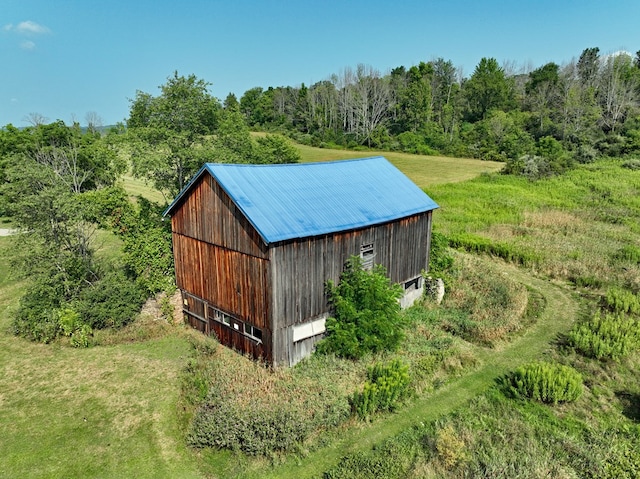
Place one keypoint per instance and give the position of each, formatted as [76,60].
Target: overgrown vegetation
[485,306]
[260,412]
[544,382]
[366,313]
[385,387]
[608,336]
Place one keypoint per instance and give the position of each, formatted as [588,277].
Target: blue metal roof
[299,200]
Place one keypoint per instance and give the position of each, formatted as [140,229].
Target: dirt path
[6,232]
[558,316]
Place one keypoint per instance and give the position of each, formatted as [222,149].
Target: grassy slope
[99,412]
[128,393]
[531,345]
[424,171]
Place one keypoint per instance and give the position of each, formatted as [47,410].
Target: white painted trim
[308,330]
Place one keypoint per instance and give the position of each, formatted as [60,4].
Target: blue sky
[62,59]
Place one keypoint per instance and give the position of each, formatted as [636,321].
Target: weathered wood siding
[221,261]
[233,282]
[203,317]
[208,214]
[300,269]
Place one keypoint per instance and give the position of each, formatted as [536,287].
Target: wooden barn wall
[233,282]
[208,214]
[230,337]
[301,267]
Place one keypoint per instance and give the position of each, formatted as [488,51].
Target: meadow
[531,259]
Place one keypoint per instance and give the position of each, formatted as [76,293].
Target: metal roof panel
[309,199]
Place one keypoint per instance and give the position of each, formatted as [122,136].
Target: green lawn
[113,411]
[424,171]
[98,412]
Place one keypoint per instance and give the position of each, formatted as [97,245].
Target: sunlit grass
[139,187]
[423,170]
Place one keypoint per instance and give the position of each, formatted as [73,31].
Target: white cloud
[26,28]
[28,45]
[31,27]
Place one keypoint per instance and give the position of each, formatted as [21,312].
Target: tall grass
[580,227]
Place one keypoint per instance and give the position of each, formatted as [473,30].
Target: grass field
[424,171]
[116,410]
[98,412]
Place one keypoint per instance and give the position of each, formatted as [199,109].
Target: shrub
[545,382]
[113,302]
[622,301]
[366,313]
[450,448]
[252,429]
[631,164]
[386,385]
[440,261]
[148,257]
[71,325]
[628,253]
[611,336]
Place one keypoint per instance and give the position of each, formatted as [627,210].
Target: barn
[255,244]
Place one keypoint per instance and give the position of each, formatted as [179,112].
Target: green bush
[440,261]
[545,382]
[386,385]
[622,301]
[112,302]
[71,325]
[631,164]
[251,428]
[628,253]
[366,313]
[148,257]
[611,336]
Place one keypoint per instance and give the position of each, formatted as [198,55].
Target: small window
[367,255]
[253,332]
[226,319]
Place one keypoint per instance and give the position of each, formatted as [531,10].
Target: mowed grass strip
[98,412]
[424,171]
[557,317]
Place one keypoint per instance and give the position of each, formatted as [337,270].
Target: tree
[579,110]
[51,193]
[588,67]
[371,102]
[169,128]
[415,101]
[487,89]
[231,102]
[619,90]
[94,122]
[543,93]
[275,149]
[256,106]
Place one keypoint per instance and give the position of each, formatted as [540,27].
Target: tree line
[543,120]
[61,187]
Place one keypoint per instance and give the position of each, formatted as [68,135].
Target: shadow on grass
[630,405]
